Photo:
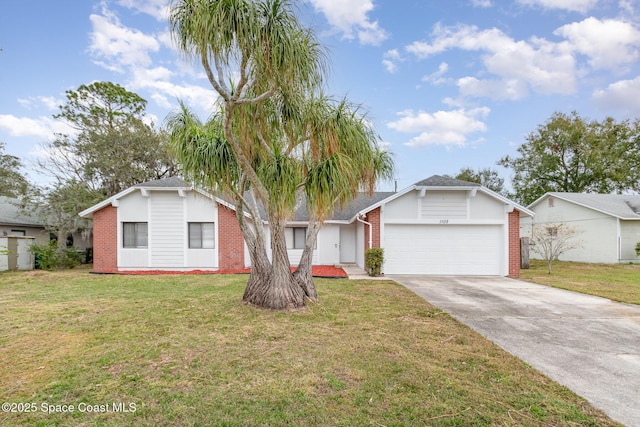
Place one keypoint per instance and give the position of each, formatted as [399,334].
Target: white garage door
[443,249]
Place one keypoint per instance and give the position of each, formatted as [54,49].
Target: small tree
[552,240]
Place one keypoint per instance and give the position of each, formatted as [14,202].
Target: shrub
[46,255]
[374,258]
[638,248]
[70,257]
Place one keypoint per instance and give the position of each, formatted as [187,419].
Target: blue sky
[447,84]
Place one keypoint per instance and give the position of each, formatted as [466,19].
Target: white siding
[630,236]
[166,229]
[132,208]
[598,232]
[444,205]
[484,207]
[404,207]
[201,209]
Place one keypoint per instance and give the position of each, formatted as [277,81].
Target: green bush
[46,255]
[638,248]
[374,258]
[70,257]
[49,257]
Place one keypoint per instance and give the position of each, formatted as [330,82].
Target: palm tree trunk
[271,284]
[303,274]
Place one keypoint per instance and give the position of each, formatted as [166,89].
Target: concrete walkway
[589,344]
[356,273]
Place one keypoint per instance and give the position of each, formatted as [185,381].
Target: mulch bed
[327,271]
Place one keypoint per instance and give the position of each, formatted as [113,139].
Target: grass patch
[185,351]
[618,282]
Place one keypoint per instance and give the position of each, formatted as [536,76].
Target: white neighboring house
[608,224]
[439,225]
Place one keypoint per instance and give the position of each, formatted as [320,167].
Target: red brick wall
[230,240]
[373,218]
[514,244]
[105,240]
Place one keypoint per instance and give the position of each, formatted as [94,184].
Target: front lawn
[618,282]
[183,350]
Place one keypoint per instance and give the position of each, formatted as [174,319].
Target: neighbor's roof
[12,214]
[623,206]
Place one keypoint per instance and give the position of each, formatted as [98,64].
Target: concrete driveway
[588,344]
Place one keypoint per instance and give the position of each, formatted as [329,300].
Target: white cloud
[581,6]
[159,9]
[437,77]
[622,96]
[608,43]
[442,127]
[50,102]
[512,89]
[390,60]
[481,3]
[43,128]
[350,17]
[116,47]
[537,64]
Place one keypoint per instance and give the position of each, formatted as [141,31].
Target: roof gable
[361,204]
[623,206]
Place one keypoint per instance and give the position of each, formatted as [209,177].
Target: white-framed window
[135,235]
[202,235]
[296,237]
[18,232]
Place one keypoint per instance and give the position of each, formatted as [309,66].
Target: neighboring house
[16,221]
[437,226]
[608,225]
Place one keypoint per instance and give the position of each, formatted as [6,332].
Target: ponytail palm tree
[276,140]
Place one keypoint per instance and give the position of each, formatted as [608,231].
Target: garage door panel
[443,249]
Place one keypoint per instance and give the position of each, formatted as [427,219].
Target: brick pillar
[230,240]
[373,218]
[105,240]
[514,244]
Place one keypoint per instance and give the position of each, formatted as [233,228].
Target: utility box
[15,253]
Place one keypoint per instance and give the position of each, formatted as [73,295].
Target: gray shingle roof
[12,214]
[444,181]
[623,206]
[172,182]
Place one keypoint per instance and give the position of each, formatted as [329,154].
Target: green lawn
[185,351]
[618,282]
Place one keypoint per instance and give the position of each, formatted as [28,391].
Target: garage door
[443,249]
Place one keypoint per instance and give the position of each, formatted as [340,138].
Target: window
[134,235]
[550,200]
[552,231]
[18,232]
[296,237]
[201,235]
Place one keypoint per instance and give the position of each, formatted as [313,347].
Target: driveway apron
[589,344]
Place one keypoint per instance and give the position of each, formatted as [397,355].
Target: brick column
[105,240]
[230,240]
[373,218]
[514,244]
